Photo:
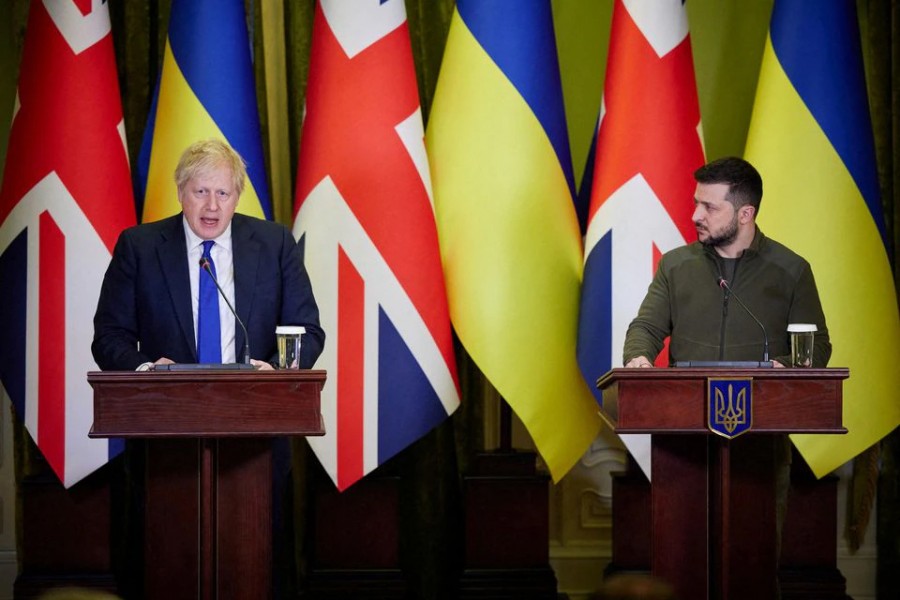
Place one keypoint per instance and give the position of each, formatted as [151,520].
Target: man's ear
[746,213]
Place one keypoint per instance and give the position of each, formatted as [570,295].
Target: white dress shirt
[223,258]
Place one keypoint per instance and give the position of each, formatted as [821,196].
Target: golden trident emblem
[731,412]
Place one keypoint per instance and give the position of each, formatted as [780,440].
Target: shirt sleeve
[653,324]
[807,308]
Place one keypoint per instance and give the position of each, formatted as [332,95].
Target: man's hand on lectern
[638,362]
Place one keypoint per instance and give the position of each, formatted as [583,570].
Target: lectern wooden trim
[712,498]
[208,480]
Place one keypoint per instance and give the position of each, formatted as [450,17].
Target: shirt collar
[194,241]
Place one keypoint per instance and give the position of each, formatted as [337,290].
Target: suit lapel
[172,253]
[246,264]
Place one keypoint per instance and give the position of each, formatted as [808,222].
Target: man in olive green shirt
[687,302]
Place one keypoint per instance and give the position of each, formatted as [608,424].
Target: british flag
[365,217]
[648,146]
[66,196]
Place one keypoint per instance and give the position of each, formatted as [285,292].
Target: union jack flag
[66,196]
[648,146]
[365,216]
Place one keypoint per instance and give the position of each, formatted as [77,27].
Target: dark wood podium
[713,498]
[208,473]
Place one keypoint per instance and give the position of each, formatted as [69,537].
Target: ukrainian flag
[206,90]
[811,139]
[509,236]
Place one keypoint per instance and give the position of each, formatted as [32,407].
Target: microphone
[723,283]
[204,264]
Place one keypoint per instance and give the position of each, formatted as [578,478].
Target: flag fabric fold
[648,146]
[811,140]
[66,195]
[365,218]
[206,89]
[510,239]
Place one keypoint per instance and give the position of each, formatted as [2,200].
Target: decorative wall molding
[581,518]
[859,567]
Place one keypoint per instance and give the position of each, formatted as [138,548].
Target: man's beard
[725,237]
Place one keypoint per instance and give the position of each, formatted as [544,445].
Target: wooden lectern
[208,488]
[713,498]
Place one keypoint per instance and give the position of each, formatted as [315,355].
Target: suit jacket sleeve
[115,345]
[299,303]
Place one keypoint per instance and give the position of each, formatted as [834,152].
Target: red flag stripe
[52,358]
[351,365]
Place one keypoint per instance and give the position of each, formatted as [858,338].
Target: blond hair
[209,154]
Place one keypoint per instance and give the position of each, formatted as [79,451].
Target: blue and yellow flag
[206,90]
[510,240]
[811,139]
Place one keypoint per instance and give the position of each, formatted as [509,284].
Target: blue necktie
[209,338]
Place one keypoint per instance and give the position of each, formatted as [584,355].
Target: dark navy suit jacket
[144,312]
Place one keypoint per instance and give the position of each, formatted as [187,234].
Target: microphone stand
[723,283]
